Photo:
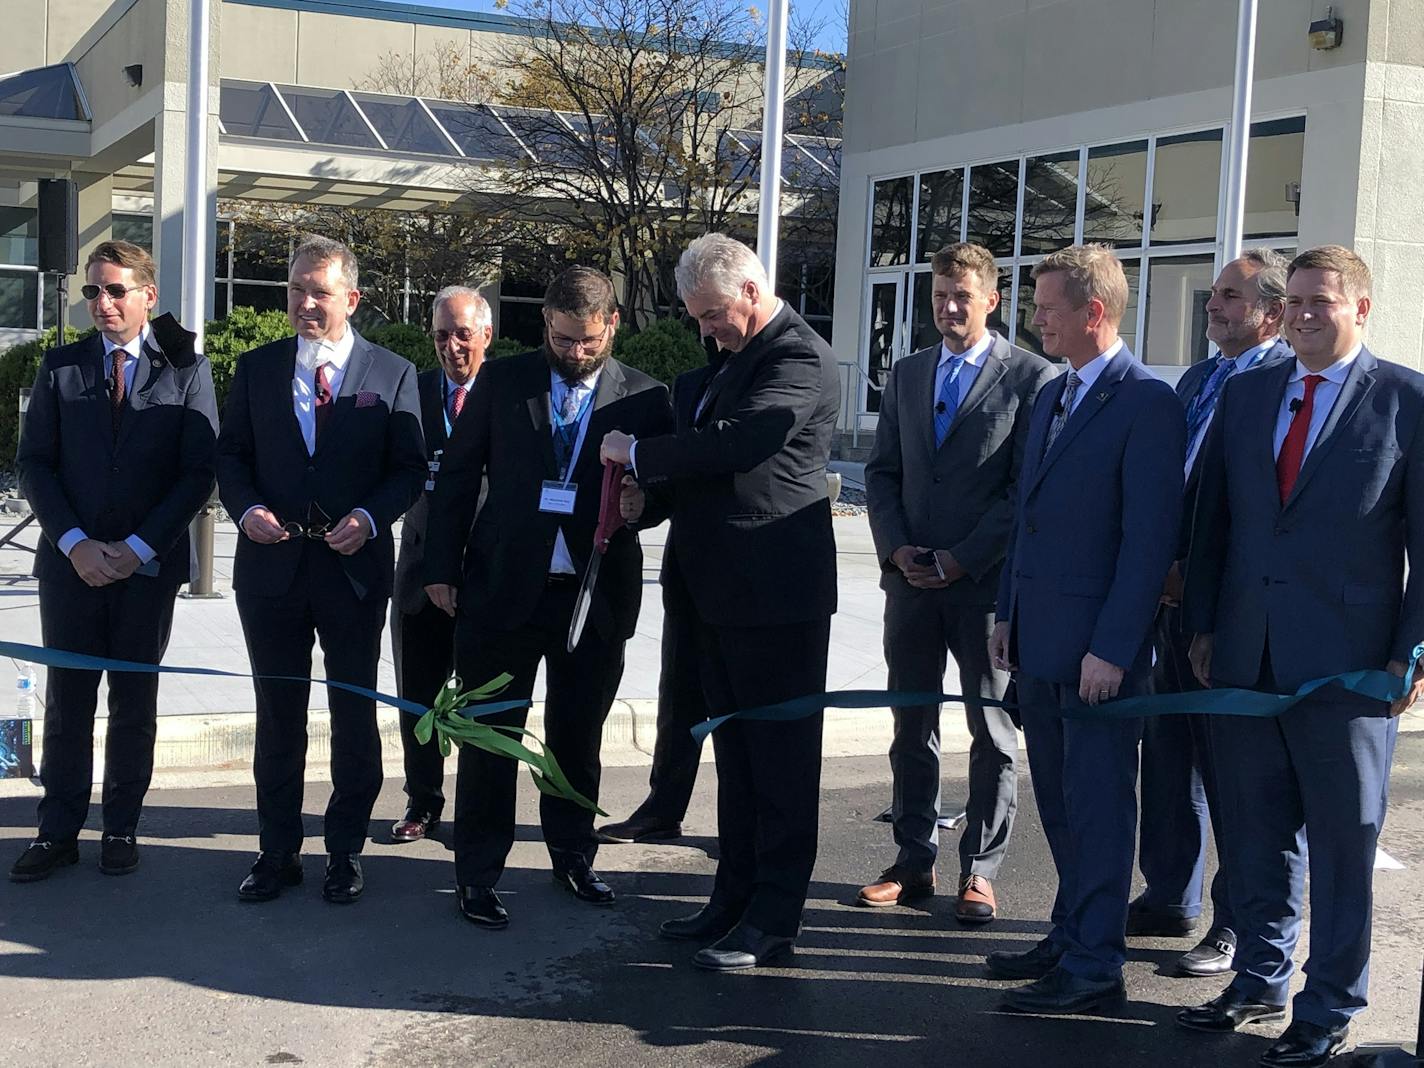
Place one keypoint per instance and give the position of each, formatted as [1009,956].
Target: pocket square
[366,399]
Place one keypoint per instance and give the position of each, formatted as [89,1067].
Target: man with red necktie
[422,636]
[1308,508]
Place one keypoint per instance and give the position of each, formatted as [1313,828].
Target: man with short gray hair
[422,636]
[743,478]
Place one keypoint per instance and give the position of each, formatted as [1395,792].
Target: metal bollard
[203,532]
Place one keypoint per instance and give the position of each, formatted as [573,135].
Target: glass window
[260,255]
[251,109]
[1186,183]
[880,351]
[42,93]
[1128,330]
[890,223]
[1177,291]
[1273,168]
[941,210]
[19,300]
[521,321]
[477,131]
[1050,205]
[137,229]
[262,298]
[924,333]
[221,246]
[19,236]
[220,300]
[1026,335]
[993,206]
[740,153]
[1113,204]
[328,117]
[403,124]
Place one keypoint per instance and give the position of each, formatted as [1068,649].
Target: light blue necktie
[1204,403]
[947,403]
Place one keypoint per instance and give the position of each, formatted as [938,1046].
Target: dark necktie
[118,390]
[1293,448]
[1063,411]
[323,398]
[567,431]
[948,401]
[457,403]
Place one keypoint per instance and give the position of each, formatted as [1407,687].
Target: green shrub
[244,329]
[18,366]
[504,346]
[407,340]
[663,349]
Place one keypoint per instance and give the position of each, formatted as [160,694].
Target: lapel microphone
[939,407]
[1296,405]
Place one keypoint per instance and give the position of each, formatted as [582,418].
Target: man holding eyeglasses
[116,458]
[511,580]
[320,453]
[422,636]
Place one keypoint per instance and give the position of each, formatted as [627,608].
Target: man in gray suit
[1308,507]
[940,484]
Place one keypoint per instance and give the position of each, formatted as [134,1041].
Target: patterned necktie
[323,398]
[119,389]
[1204,403]
[948,401]
[1293,448]
[567,430]
[457,403]
[1063,411]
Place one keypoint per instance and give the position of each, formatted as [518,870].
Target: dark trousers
[280,632]
[1179,792]
[579,691]
[768,773]
[1306,788]
[1085,782]
[681,706]
[128,620]
[921,630]
[423,645]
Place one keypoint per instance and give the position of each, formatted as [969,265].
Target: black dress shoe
[41,857]
[640,829]
[482,907]
[1062,993]
[118,855]
[1227,1011]
[584,883]
[1211,956]
[1032,964]
[414,826]
[707,924]
[1144,922]
[744,946]
[1305,1045]
[269,875]
[344,881]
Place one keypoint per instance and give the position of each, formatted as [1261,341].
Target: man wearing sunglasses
[320,454]
[116,458]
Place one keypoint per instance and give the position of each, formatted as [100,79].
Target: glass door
[884,336]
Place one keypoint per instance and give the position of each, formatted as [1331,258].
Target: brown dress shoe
[896,887]
[413,827]
[976,900]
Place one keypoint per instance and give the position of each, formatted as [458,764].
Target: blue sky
[831,12]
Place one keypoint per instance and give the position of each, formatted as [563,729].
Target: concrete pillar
[96,225]
[169,172]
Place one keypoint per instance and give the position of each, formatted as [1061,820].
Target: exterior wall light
[1326,33]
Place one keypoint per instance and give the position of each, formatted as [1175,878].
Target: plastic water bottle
[25,692]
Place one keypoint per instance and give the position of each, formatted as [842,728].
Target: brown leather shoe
[976,900]
[896,887]
[413,827]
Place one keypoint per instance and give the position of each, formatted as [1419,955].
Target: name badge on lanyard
[558,495]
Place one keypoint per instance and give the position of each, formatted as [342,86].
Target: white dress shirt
[1326,394]
[311,355]
[1091,371]
[73,536]
[1243,362]
[968,371]
[561,562]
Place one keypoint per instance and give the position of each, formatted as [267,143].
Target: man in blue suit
[1244,314]
[1297,572]
[1099,508]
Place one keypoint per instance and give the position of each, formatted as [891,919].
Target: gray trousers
[921,630]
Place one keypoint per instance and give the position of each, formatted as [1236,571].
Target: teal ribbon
[1373,683]
[59,658]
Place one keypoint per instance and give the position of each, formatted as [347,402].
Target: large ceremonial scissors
[610,521]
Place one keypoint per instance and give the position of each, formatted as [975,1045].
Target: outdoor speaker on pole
[59,226]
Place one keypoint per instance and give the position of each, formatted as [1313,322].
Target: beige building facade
[1028,125]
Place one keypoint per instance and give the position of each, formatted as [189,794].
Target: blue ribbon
[59,658]
[1373,683]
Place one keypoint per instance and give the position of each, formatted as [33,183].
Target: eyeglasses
[564,344]
[317,526]
[115,290]
[464,335]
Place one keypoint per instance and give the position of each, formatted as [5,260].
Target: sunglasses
[464,335]
[317,526]
[115,290]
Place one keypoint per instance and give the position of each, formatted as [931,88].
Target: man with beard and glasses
[531,429]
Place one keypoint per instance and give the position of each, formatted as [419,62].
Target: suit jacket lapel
[1093,400]
[147,368]
[432,411]
[282,401]
[612,386]
[984,381]
[1357,385]
[537,390]
[358,366]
